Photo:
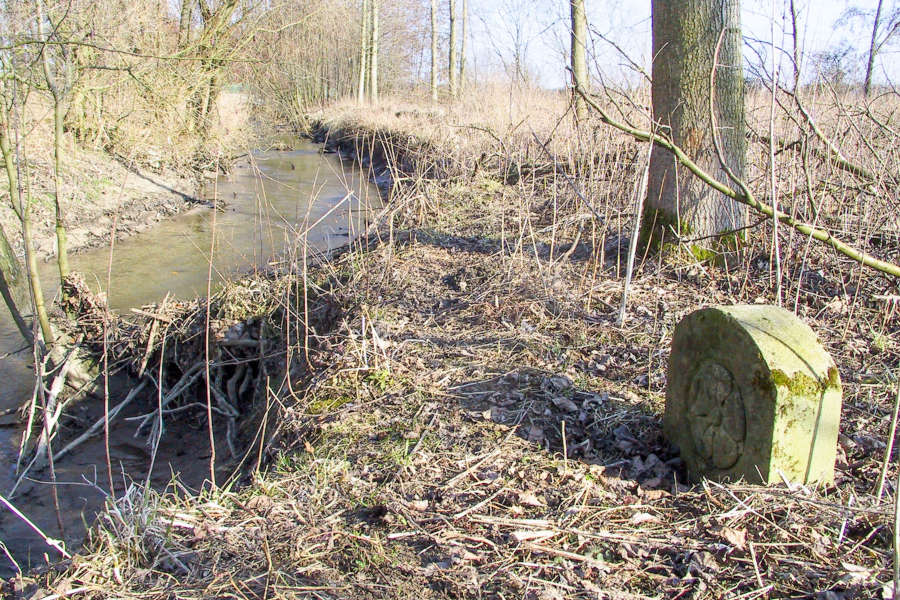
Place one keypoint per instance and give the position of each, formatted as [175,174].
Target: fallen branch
[745,196]
[187,380]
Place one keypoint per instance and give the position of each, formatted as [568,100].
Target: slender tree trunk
[56,89]
[34,278]
[795,38]
[578,54]
[453,59]
[434,52]
[685,35]
[363,53]
[873,50]
[210,93]
[22,209]
[373,61]
[62,252]
[217,25]
[184,23]
[10,281]
[462,45]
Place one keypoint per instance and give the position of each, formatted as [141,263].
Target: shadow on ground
[596,428]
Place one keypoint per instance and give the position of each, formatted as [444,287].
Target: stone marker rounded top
[752,394]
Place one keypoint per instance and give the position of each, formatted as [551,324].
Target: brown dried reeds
[475,422]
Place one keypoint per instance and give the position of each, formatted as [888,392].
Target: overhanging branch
[745,196]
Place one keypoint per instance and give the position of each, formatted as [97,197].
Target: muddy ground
[100,192]
[136,188]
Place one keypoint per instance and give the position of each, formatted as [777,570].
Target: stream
[263,205]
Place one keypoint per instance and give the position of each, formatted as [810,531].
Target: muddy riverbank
[269,207]
[100,192]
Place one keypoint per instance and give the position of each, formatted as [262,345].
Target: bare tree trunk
[578,54]
[10,280]
[217,25]
[453,59]
[363,52]
[873,50]
[462,45]
[685,35]
[184,23]
[434,51]
[373,61]
[62,252]
[57,85]
[34,278]
[795,38]
[22,209]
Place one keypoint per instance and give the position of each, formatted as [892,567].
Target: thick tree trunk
[685,35]
[873,50]
[578,54]
[434,52]
[453,58]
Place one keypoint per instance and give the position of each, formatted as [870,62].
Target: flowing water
[264,206]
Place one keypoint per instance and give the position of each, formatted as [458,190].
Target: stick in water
[56,544]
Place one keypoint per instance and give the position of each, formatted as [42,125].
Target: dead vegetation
[449,408]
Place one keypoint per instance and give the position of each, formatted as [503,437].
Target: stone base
[752,395]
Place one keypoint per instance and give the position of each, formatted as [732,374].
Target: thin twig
[889,446]
[97,426]
[56,544]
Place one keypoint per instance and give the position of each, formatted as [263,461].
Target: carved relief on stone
[717,417]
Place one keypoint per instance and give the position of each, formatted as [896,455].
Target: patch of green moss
[834,378]
[490,185]
[702,254]
[802,384]
[321,406]
[381,379]
[657,234]
[656,229]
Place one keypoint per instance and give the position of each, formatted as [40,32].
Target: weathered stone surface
[752,394]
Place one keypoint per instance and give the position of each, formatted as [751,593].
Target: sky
[541,28]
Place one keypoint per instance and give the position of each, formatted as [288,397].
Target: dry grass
[473,423]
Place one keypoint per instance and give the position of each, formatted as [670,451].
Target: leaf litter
[472,423]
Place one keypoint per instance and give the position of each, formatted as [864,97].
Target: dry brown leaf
[655,494]
[535,434]
[530,499]
[563,403]
[735,537]
[642,517]
[531,535]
